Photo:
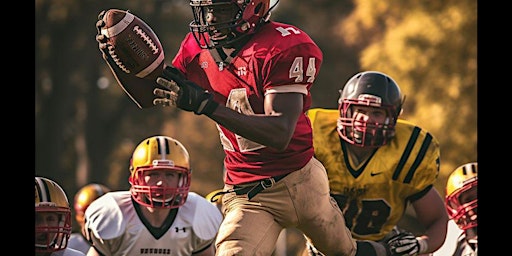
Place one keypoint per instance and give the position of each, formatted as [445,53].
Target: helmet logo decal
[370,98]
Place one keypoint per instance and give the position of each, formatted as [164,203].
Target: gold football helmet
[461,195]
[160,153]
[53,216]
[84,197]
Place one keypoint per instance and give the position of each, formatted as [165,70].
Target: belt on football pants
[262,185]
[251,191]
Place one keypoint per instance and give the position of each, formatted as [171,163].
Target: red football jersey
[278,58]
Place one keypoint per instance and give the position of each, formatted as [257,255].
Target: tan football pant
[301,200]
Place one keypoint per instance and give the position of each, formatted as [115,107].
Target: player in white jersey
[83,198]
[462,204]
[158,215]
[52,220]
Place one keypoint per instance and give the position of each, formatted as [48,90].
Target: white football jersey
[117,229]
[68,252]
[78,242]
[450,242]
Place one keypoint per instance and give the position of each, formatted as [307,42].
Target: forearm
[432,215]
[434,236]
[268,130]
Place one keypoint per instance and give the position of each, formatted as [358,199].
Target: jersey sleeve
[297,66]
[207,219]
[424,158]
[105,222]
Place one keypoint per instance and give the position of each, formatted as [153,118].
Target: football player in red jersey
[253,76]
[378,163]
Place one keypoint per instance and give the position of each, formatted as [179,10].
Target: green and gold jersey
[373,196]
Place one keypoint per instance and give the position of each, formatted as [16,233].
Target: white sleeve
[207,218]
[68,252]
[105,218]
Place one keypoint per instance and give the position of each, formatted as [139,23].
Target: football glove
[100,38]
[183,93]
[406,243]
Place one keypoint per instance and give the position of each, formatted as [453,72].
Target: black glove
[183,93]
[406,243]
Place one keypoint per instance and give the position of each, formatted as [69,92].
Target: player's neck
[155,216]
[358,154]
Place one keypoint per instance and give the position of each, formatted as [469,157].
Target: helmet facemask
[461,209]
[234,20]
[52,218]
[51,238]
[362,132]
[160,196]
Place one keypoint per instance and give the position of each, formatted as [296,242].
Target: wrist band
[422,244]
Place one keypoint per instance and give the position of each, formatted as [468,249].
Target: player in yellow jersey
[377,164]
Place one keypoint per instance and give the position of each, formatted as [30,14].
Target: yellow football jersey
[374,195]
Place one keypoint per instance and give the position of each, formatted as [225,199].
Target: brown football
[133,45]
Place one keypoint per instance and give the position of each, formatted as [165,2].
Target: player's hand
[100,38]
[183,93]
[406,243]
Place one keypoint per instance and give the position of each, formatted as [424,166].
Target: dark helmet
[371,89]
[235,20]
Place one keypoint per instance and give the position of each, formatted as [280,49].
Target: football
[133,45]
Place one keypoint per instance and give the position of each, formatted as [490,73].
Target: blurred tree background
[86,127]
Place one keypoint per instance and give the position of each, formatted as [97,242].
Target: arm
[431,213]
[274,129]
